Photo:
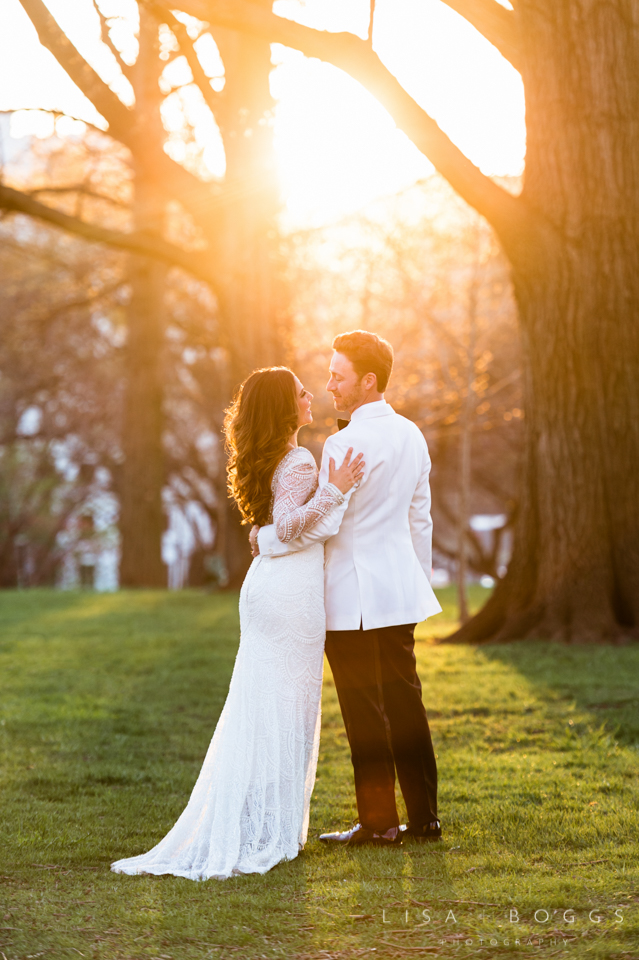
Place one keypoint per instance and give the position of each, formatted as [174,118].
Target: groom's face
[345,384]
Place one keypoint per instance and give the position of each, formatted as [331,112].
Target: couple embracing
[342,564]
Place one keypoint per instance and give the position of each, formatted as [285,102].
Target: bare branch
[49,316]
[140,243]
[59,113]
[106,102]
[510,217]
[497,24]
[105,36]
[198,198]
[211,98]
[371,20]
[82,189]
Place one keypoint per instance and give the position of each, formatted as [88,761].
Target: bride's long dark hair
[257,427]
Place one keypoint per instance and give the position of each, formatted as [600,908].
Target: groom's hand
[255,547]
[349,474]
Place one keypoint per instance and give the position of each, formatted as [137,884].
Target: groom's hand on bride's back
[349,474]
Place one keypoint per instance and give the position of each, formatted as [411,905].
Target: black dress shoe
[423,834]
[358,836]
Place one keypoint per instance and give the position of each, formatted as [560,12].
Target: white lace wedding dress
[250,806]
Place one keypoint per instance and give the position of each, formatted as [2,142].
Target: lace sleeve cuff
[337,494]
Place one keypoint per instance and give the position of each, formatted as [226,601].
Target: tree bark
[8,561]
[574,575]
[246,238]
[142,519]
[465,440]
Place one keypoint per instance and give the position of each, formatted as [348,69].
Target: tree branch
[50,316]
[508,215]
[497,24]
[60,113]
[198,198]
[371,21]
[143,244]
[80,188]
[211,98]
[105,36]
[106,102]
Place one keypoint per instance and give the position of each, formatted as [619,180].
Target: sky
[337,148]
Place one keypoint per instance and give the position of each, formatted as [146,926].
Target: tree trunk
[247,238]
[467,411]
[142,519]
[9,578]
[574,575]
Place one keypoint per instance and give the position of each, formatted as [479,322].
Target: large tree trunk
[247,232]
[574,575]
[243,240]
[465,451]
[142,519]
[247,239]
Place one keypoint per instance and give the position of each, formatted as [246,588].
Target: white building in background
[189,527]
[485,526]
[92,548]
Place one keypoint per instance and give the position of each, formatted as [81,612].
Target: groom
[377,588]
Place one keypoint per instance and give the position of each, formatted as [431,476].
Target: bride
[250,806]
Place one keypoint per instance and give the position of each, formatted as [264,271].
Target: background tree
[572,241]
[226,236]
[64,320]
[58,395]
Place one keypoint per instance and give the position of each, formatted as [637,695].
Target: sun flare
[337,148]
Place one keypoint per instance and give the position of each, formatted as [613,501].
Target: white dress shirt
[379,541]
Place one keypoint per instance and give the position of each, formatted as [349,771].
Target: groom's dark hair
[368,353]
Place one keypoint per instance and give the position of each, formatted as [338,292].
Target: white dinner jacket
[379,542]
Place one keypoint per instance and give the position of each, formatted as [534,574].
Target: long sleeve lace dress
[249,809]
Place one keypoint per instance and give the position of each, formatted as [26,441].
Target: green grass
[107,705]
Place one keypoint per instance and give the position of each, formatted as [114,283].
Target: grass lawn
[107,706]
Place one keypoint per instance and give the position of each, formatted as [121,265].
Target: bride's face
[304,398]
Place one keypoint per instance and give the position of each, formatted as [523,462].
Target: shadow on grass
[604,681]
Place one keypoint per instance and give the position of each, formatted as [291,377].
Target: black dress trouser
[380,696]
